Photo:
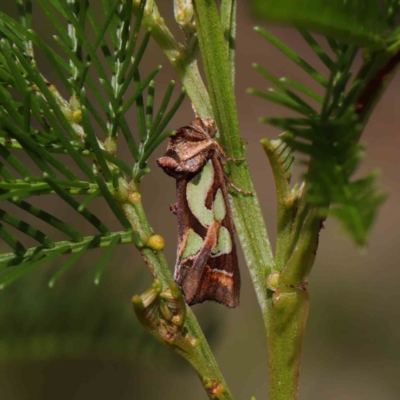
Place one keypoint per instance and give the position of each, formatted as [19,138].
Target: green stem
[288,315]
[183,60]
[289,306]
[228,10]
[246,209]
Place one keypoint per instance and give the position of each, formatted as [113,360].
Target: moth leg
[248,192]
[235,159]
[174,208]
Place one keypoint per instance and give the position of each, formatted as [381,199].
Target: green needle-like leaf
[163,108]
[105,258]
[11,274]
[102,228]
[50,219]
[26,228]
[14,162]
[319,51]
[292,55]
[11,240]
[74,259]
[140,111]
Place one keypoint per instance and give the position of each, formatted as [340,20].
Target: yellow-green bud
[290,199]
[183,10]
[110,145]
[272,281]
[52,88]
[178,320]
[156,242]
[193,341]
[77,116]
[134,197]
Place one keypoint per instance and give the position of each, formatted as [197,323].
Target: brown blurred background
[352,343]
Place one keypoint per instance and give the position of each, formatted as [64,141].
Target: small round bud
[272,281]
[178,320]
[207,382]
[183,10]
[193,341]
[110,145]
[156,242]
[289,200]
[135,197]
[77,116]
[214,387]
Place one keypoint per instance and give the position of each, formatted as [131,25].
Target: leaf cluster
[329,128]
[37,120]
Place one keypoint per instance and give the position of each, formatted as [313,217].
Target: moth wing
[220,281]
[203,275]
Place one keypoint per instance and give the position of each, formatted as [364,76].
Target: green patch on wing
[196,192]
[224,245]
[194,243]
[219,206]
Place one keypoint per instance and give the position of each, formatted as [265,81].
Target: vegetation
[98,62]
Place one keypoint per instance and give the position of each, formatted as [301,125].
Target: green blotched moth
[207,265]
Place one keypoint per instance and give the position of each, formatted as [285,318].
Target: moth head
[206,126]
[209,126]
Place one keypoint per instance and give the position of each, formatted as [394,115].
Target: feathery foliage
[83,117]
[328,132]
[60,138]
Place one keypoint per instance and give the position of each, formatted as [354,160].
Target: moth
[207,266]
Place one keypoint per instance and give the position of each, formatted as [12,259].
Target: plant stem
[183,60]
[288,315]
[289,306]
[246,209]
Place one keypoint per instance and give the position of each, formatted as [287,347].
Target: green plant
[40,122]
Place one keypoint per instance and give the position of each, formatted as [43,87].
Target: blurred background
[81,341]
